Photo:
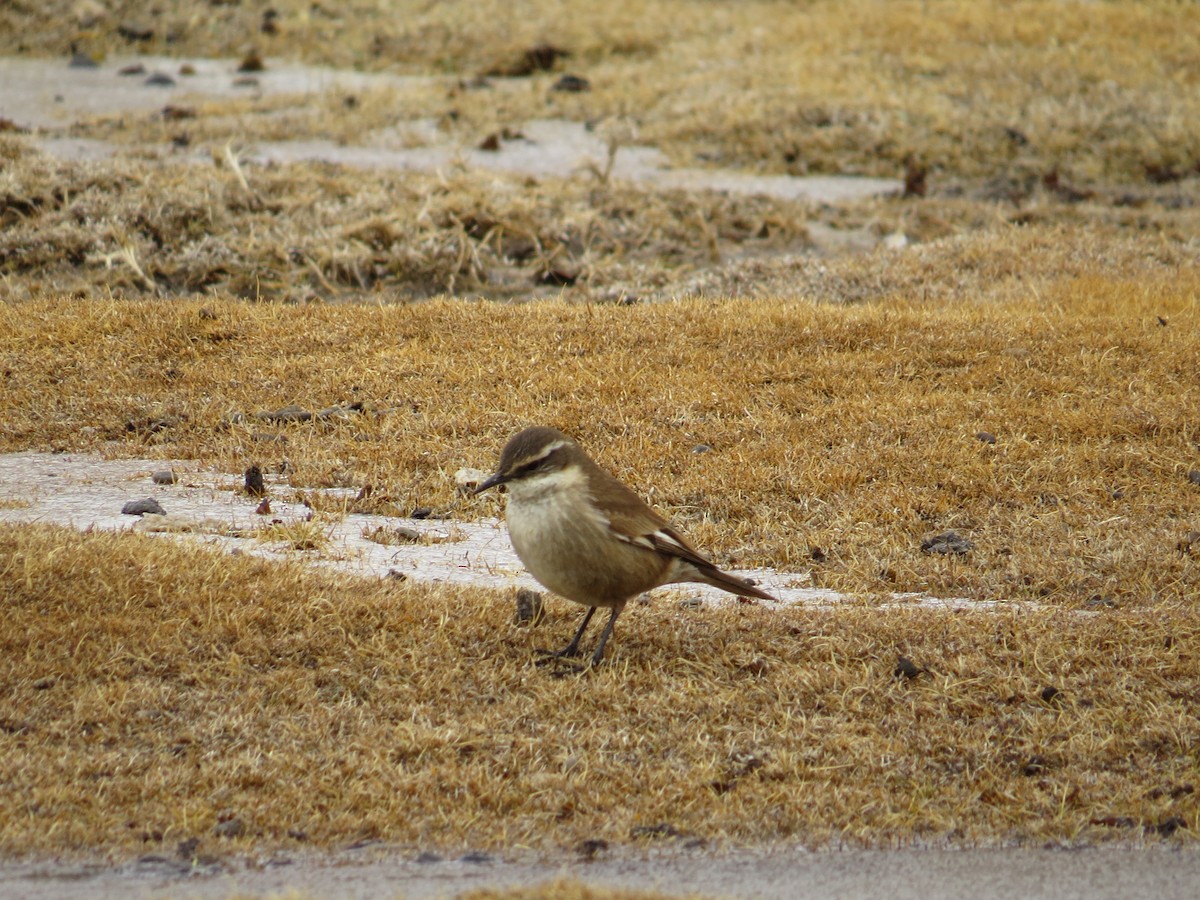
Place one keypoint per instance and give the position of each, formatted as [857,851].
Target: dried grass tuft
[151,690]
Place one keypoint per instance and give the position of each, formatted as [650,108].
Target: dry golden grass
[1097,91]
[852,430]
[151,690]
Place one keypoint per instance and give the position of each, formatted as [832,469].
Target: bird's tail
[732,583]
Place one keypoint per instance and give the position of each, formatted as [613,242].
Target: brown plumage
[588,537]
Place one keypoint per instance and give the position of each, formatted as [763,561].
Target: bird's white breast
[565,541]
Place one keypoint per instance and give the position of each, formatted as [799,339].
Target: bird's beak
[496,479]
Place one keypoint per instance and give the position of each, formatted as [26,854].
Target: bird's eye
[534,465]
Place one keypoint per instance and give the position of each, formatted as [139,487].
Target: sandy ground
[48,95]
[86,491]
[1063,874]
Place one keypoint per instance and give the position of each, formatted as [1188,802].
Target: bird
[586,536]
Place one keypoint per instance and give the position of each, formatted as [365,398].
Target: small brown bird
[587,537]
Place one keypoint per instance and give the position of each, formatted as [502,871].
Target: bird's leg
[608,629]
[572,649]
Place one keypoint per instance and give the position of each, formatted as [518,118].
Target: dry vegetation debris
[153,691]
[842,437]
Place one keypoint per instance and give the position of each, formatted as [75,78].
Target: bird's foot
[549,656]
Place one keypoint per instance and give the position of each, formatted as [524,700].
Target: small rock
[187,69]
[591,847]
[475,856]
[1194,476]
[164,476]
[43,684]
[1168,827]
[491,143]
[141,507]
[906,668]
[572,84]
[396,575]
[160,79]
[135,69]
[252,62]
[701,448]
[557,275]
[466,480]
[985,436]
[421,512]
[254,482]
[529,607]
[230,828]
[186,849]
[818,555]
[426,858]
[84,61]
[263,508]
[950,542]
[1049,692]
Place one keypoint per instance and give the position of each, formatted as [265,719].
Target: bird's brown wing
[632,520]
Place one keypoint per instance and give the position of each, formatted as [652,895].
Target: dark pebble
[558,276]
[254,482]
[572,84]
[43,684]
[252,62]
[426,858]
[906,668]
[421,512]
[529,607]
[160,79]
[950,542]
[135,69]
[164,476]
[1168,827]
[396,575]
[186,849]
[1194,476]
[1049,692]
[491,143]
[84,61]
[475,856]
[141,507]
[986,436]
[817,554]
[135,32]
[701,448]
[592,846]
